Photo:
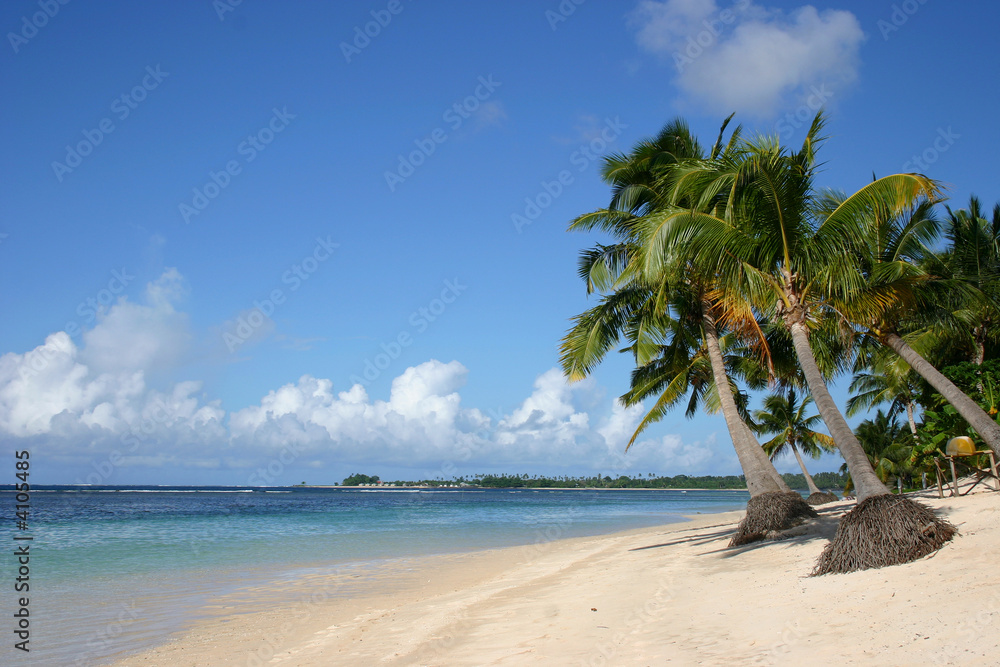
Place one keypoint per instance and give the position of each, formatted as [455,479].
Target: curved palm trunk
[865,481]
[752,458]
[805,473]
[988,429]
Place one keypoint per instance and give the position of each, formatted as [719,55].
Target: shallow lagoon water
[117,569]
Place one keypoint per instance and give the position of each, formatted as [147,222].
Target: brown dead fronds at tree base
[821,498]
[771,512]
[883,530]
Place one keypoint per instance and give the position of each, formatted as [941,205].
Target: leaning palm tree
[668,317]
[895,286]
[778,251]
[785,416]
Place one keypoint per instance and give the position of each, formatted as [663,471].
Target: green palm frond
[785,415]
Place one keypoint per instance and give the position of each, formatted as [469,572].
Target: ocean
[114,570]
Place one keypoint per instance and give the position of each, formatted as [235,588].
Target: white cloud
[47,381]
[148,337]
[95,414]
[551,427]
[422,422]
[663,26]
[88,404]
[49,395]
[667,453]
[744,58]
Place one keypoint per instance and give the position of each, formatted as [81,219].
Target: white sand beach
[669,595]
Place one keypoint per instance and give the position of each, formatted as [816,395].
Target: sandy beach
[668,595]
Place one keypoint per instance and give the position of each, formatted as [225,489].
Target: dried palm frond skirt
[883,530]
[821,498]
[770,512]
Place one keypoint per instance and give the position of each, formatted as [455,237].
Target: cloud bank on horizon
[742,57]
[90,408]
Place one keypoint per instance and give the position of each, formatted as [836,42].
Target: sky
[249,242]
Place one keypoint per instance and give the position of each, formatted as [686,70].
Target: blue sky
[250,243]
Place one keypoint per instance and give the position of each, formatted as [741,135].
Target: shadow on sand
[822,528]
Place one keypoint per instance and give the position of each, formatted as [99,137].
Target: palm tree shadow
[822,528]
[696,539]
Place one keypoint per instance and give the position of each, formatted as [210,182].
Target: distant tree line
[825,480]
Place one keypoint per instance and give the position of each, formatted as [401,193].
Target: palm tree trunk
[752,458]
[805,473]
[865,481]
[980,343]
[909,417]
[988,429]
[771,470]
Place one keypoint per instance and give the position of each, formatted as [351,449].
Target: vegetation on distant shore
[357,480]
[826,480]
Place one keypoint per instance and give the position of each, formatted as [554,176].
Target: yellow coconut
[960,446]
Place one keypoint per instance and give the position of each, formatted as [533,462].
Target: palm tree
[686,366]
[669,316]
[777,249]
[973,257]
[785,416]
[895,286]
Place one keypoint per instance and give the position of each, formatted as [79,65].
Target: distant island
[824,480]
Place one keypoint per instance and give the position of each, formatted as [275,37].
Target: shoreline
[373,582]
[392,487]
[254,632]
[644,596]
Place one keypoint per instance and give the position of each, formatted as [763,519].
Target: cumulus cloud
[88,403]
[422,422]
[48,394]
[149,336]
[552,427]
[98,414]
[744,58]
[669,452]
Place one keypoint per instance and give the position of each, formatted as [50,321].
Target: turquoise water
[115,570]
